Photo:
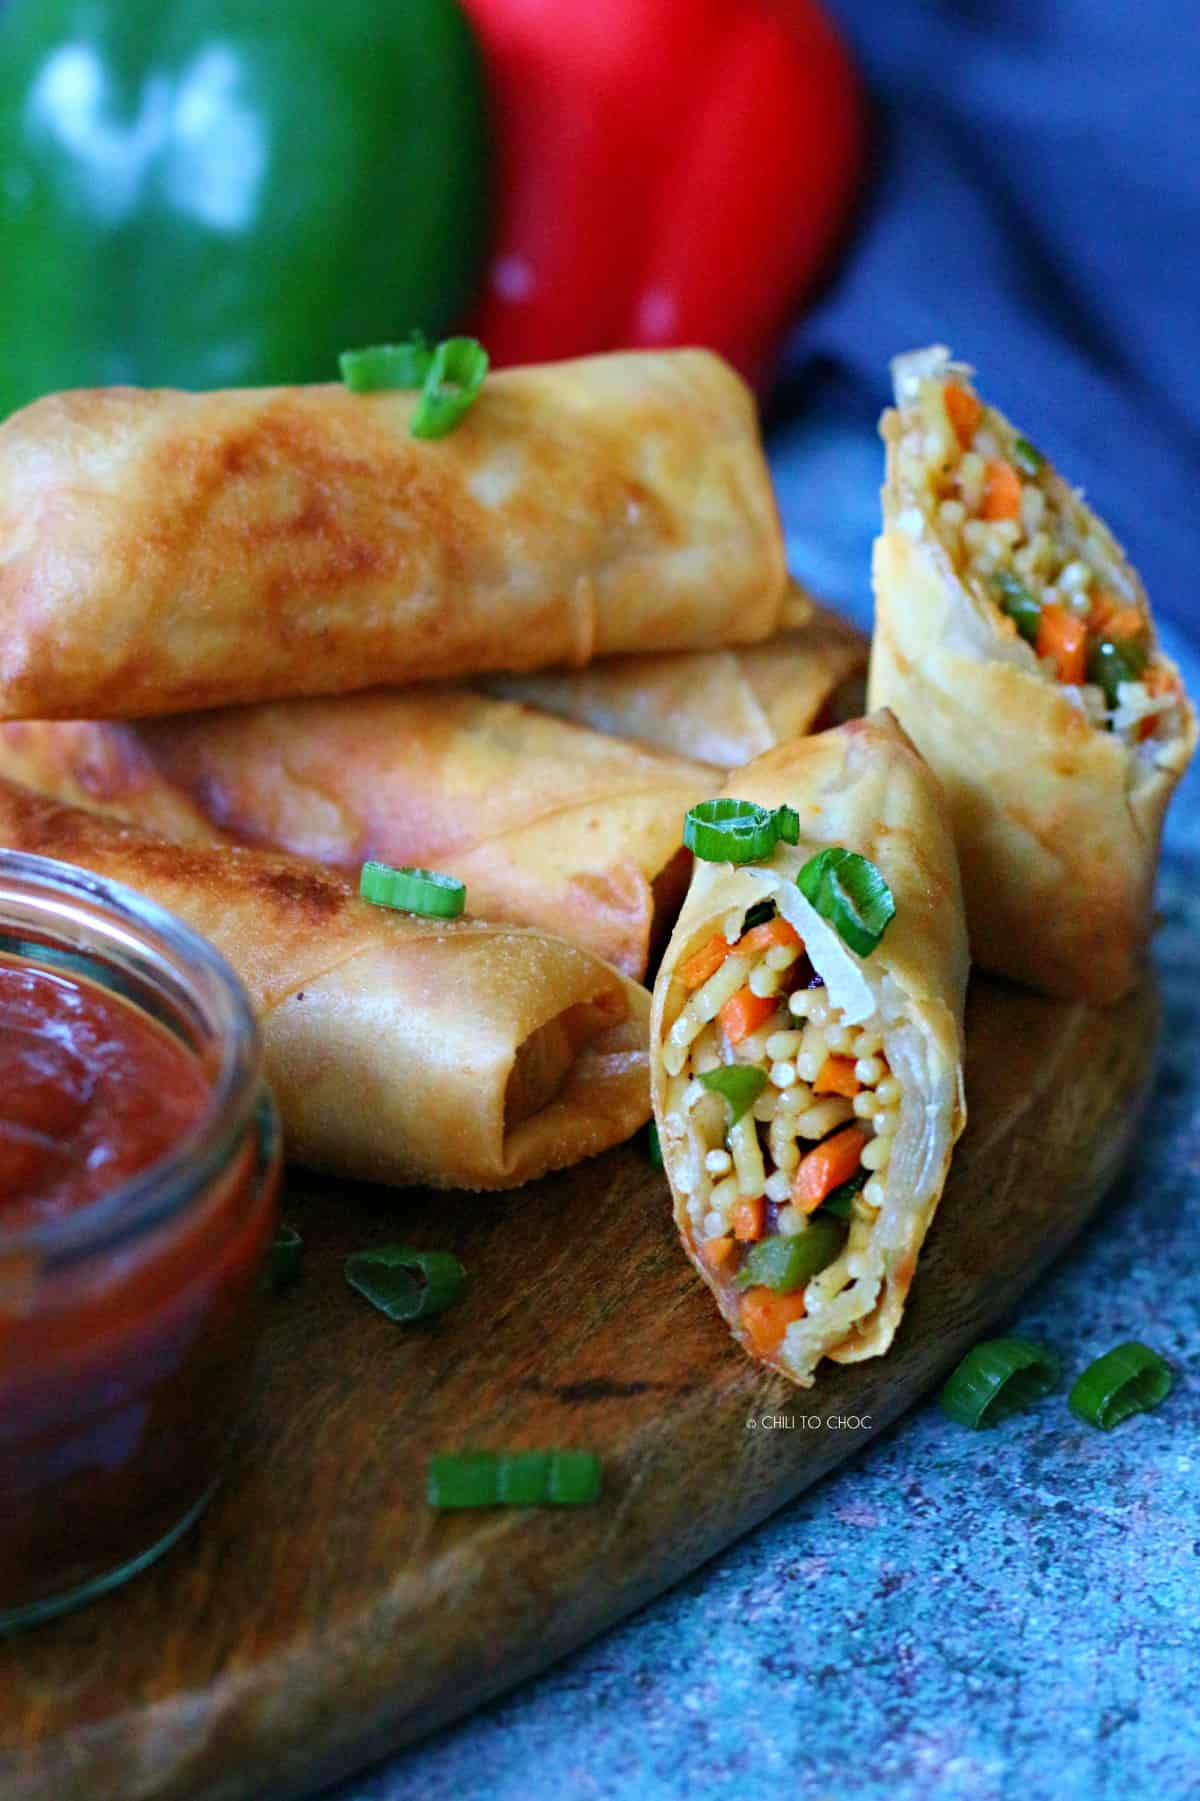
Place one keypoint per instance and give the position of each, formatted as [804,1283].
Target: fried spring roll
[722,707]
[805,1215]
[163,551]
[548,824]
[400,1049]
[1014,642]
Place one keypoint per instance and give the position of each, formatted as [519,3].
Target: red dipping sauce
[92,1091]
[139,1164]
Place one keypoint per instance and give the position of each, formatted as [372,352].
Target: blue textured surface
[954,1617]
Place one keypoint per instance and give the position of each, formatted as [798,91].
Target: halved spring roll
[1014,642]
[399,1049]
[808,1097]
[722,707]
[547,824]
[162,551]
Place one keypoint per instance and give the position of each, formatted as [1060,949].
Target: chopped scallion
[729,831]
[513,1479]
[998,1378]
[1129,1379]
[404,1283]
[1110,663]
[1027,457]
[424,891]
[851,894]
[451,386]
[387,365]
[839,1204]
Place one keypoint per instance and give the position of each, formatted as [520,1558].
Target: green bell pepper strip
[214,193]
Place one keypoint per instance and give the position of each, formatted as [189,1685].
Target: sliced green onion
[1131,1378]
[387,365]
[404,1283]
[851,894]
[729,831]
[1020,605]
[788,1263]
[787,825]
[1000,1377]
[839,1204]
[424,891]
[1027,457]
[452,383]
[653,1146]
[1109,664]
[760,914]
[513,1479]
[287,1253]
[740,1084]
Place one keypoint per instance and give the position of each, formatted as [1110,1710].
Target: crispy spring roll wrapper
[1056,799]
[163,551]
[548,824]
[399,1049]
[863,787]
[724,707]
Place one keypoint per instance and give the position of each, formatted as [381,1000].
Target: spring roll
[806,1213]
[722,707]
[162,551]
[400,1049]
[548,824]
[1014,642]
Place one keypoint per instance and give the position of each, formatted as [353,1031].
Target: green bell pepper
[206,193]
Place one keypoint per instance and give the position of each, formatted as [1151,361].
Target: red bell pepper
[670,171]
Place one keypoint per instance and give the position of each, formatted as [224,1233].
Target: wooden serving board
[321,1614]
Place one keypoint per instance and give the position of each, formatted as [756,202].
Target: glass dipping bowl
[126,1325]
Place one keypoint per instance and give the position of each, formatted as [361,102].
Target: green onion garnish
[851,894]
[788,1263]
[286,1254]
[513,1479]
[1020,605]
[653,1146]
[452,382]
[387,365]
[737,831]
[1109,664]
[424,891]
[1131,1378]
[997,1378]
[740,1083]
[1027,457]
[406,1284]
[839,1204]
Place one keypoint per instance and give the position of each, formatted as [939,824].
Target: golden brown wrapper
[164,551]
[1057,821]
[548,824]
[400,1049]
[861,786]
[722,707]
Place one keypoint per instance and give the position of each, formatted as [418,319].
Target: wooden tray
[321,1615]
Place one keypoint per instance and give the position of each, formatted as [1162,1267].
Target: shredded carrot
[1002,491]
[1161,680]
[744,1012]
[1104,606]
[748,1216]
[836,1076]
[1063,636]
[767,1315]
[963,410]
[826,1167]
[766,937]
[695,970]
[1124,622]
[717,1251]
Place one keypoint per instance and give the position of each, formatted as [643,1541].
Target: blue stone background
[951,1616]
